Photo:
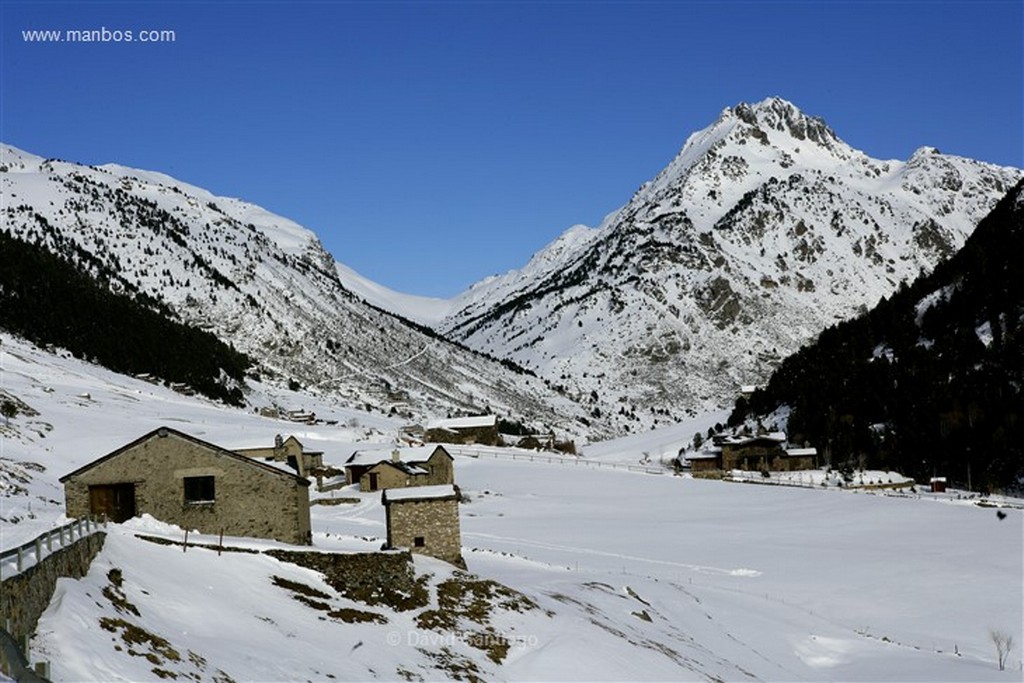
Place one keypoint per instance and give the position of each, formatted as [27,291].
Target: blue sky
[431,144]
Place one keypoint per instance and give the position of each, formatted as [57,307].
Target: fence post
[20,560]
[39,549]
[49,541]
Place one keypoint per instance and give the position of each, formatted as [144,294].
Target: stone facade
[365,577]
[440,468]
[386,475]
[465,430]
[761,453]
[185,481]
[755,454]
[400,468]
[426,521]
[24,598]
[290,451]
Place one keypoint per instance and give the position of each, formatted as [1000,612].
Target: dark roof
[165,431]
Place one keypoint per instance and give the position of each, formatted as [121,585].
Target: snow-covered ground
[633,576]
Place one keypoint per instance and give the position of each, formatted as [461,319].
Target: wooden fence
[527,456]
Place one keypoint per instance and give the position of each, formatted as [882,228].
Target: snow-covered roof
[419,493]
[796,452]
[934,480]
[160,432]
[464,422]
[409,455]
[369,457]
[704,455]
[742,440]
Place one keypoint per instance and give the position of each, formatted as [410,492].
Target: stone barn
[425,519]
[289,451]
[754,453]
[482,429]
[185,481]
[400,467]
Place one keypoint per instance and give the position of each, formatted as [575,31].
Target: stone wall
[792,463]
[485,436]
[434,521]
[749,457]
[372,578]
[388,477]
[441,470]
[24,597]
[250,498]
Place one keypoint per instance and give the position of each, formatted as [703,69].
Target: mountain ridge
[762,230]
[264,283]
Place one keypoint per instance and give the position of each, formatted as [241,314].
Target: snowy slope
[424,310]
[763,230]
[633,576]
[262,283]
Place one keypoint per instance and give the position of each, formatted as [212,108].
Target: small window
[419,542]
[199,490]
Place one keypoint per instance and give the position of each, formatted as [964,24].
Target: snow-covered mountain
[262,283]
[765,229]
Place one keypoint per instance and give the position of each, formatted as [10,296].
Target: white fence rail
[529,456]
[17,560]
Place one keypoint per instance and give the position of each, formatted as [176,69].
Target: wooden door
[115,502]
[373,481]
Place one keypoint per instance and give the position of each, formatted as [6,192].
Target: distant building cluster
[759,453]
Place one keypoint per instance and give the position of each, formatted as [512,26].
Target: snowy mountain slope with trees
[262,283]
[763,230]
[929,382]
[610,575]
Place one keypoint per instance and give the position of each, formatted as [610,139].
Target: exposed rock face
[765,229]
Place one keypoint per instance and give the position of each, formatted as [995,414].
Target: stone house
[758,453]
[183,480]
[793,459]
[753,453]
[425,519]
[706,462]
[290,451]
[482,429]
[400,467]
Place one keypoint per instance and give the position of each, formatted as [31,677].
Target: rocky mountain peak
[764,229]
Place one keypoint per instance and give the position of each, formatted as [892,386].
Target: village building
[289,451]
[705,461]
[757,453]
[793,459]
[183,480]
[751,452]
[425,520]
[482,429]
[938,484]
[400,468]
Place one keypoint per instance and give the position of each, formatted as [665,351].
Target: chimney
[396,456]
